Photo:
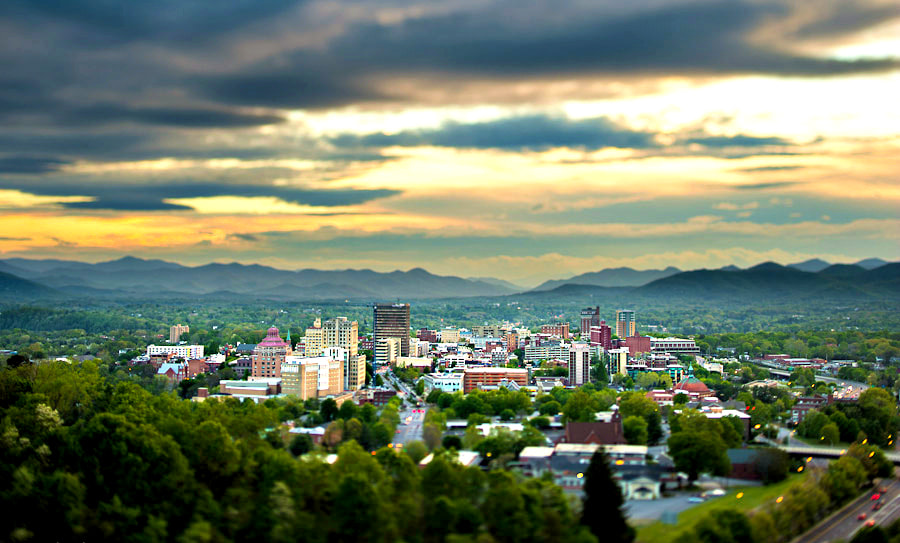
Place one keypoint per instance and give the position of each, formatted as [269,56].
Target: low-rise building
[445,382]
[184,352]
[258,389]
[477,377]
[606,430]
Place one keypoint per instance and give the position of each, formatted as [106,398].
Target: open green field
[754,496]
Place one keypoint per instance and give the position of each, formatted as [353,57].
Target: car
[882,489]
[870,523]
[877,506]
[876,496]
[862,516]
[696,499]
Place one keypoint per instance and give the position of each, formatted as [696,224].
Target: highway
[842,525]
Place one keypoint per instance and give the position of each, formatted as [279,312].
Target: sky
[518,140]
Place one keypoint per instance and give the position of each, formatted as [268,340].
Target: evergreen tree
[602,509]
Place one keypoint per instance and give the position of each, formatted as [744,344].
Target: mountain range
[764,282]
[131,277]
[611,277]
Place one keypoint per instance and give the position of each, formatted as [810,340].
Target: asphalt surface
[411,418]
[842,525]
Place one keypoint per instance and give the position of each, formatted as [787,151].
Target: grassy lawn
[753,497]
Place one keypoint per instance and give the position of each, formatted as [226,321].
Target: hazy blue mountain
[611,277]
[871,263]
[776,282]
[14,288]
[133,276]
[813,265]
[730,267]
[499,282]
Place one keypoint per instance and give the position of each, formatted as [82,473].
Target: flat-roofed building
[449,335]
[490,376]
[185,352]
[176,331]
[579,364]
[256,389]
[618,361]
[546,351]
[625,323]
[392,321]
[559,329]
[312,377]
[601,336]
[446,382]
[674,345]
[314,340]
[387,351]
[590,317]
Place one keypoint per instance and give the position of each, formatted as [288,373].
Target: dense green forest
[84,459]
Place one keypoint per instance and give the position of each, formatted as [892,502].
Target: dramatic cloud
[145,197]
[535,132]
[388,131]
[30,164]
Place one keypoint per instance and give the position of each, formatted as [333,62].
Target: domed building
[693,387]
[268,356]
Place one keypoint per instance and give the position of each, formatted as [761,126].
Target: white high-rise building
[579,364]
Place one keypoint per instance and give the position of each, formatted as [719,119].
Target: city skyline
[519,142]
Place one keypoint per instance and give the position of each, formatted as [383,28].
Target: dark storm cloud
[308,89]
[535,132]
[151,197]
[174,117]
[105,21]
[705,37]
[739,140]
[30,164]
[104,65]
[541,132]
[846,18]
[695,38]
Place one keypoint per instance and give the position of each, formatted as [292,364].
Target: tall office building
[392,320]
[625,325]
[590,317]
[601,336]
[344,334]
[315,339]
[176,331]
[269,354]
[579,364]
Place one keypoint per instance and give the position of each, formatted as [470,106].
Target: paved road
[411,418]
[845,523]
[410,428]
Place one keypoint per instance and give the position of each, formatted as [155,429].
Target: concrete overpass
[830,452]
[784,374]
